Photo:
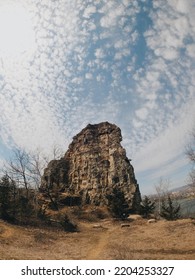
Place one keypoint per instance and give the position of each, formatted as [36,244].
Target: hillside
[103,240]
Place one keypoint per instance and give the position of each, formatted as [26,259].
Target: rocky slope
[93,165]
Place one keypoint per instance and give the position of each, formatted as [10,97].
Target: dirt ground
[104,240]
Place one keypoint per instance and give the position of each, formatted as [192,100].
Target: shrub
[67,224]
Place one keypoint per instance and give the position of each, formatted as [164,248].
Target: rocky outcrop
[94,164]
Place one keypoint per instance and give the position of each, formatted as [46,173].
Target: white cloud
[90,65]
[182,6]
[137,124]
[170,28]
[167,53]
[99,53]
[142,113]
[168,169]
[88,76]
[191,50]
[114,13]
[89,11]
[167,145]
[111,13]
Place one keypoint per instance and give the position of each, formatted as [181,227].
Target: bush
[67,224]
[41,214]
[101,213]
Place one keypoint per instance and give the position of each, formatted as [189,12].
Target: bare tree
[38,161]
[190,152]
[162,188]
[192,177]
[27,168]
[18,169]
[57,152]
[190,148]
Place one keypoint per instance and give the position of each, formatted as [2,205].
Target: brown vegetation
[105,239]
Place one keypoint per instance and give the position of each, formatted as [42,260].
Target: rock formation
[94,164]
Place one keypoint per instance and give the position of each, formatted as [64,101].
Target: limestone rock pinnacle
[93,165]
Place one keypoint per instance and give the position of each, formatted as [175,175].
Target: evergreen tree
[169,210]
[117,204]
[147,207]
[7,199]
[14,206]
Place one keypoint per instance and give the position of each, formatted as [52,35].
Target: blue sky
[131,63]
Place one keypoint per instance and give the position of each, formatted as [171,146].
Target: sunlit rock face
[94,164]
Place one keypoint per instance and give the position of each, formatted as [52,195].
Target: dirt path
[97,248]
[101,240]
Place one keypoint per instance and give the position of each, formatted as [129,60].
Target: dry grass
[162,240]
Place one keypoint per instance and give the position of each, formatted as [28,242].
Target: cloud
[142,113]
[28,99]
[127,62]
[164,155]
[112,12]
[191,50]
[171,28]
[89,11]
[99,53]
[137,124]
[88,76]
[162,85]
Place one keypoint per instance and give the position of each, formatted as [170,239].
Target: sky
[67,63]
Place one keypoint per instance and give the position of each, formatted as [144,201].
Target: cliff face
[94,164]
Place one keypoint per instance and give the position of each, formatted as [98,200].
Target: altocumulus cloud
[127,62]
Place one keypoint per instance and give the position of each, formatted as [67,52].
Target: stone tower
[93,165]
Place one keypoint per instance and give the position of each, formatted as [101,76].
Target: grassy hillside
[103,240]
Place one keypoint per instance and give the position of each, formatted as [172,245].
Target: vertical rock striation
[94,164]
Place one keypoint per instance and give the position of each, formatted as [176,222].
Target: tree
[190,149]
[147,207]
[7,199]
[162,188]
[19,169]
[117,204]
[169,210]
[26,168]
[190,152]
[14,205]
[38,161]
